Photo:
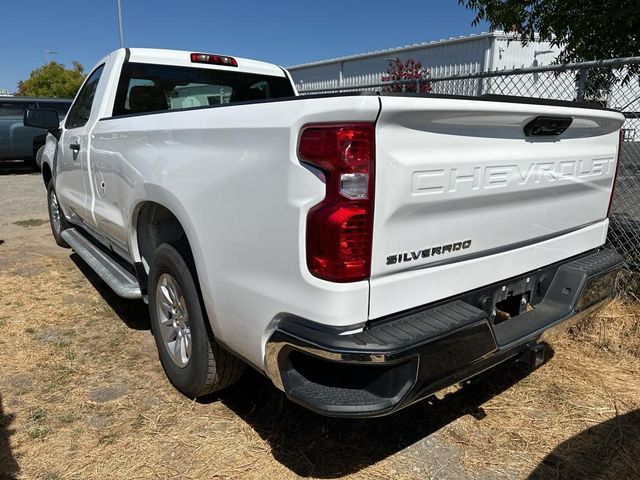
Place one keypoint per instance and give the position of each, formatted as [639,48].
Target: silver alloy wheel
[173,319]
[54,208]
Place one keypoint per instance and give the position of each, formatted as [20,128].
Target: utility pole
[120,24]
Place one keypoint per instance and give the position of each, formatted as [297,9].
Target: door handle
[75,147]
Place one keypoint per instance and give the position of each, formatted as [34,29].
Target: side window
[81,108]
[14,109]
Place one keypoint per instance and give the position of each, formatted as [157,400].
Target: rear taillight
[340,227]
[617,169]
[214,59]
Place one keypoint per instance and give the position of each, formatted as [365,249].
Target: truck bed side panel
[231,176]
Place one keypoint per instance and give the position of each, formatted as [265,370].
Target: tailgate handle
[547,126]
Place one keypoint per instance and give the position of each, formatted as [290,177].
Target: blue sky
[285,33]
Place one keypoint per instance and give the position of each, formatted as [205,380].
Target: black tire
[63,225]
[209,367]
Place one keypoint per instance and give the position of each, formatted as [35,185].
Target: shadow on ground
[609,450]
[9,468]
[16,167]
[133,313]
[311,445]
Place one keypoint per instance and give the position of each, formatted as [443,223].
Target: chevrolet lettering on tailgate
[497,176]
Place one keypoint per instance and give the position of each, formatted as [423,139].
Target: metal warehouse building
[461,55]
[486,63]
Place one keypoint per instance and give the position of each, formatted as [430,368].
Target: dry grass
[581,410]
[85,397]
[615,329]
[82,395]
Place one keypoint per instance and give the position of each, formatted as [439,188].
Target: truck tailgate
[464,198]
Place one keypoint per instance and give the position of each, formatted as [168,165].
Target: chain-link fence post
[581,84]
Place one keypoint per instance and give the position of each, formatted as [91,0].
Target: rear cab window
[147,88]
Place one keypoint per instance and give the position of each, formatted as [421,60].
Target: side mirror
[41,118]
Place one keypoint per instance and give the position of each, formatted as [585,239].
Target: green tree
[53,80]
[585,30]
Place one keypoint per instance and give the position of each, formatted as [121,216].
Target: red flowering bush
[412,74]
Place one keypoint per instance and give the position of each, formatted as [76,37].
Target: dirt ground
[83,396]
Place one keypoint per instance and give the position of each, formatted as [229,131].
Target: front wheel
[56,217]
[194,363]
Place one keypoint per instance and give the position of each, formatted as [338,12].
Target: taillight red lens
[214,59]
[340,228]
[617,169]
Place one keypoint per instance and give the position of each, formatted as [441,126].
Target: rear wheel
[194,363]
[56,217]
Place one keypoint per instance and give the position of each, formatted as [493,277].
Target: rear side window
[155,88]
[81,109]
[14,109]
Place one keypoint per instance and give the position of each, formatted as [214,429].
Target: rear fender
[164,197]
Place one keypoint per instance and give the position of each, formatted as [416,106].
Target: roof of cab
[12,99]
[183,58]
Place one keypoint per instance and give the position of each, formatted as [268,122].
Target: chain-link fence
[606,82]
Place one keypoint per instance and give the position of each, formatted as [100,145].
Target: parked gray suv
[18,142]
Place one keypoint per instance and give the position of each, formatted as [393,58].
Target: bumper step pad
[395,333]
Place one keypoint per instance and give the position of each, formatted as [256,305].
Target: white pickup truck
[361,250]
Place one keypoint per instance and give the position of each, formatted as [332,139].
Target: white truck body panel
[420,286]
[239,210]
[450,171]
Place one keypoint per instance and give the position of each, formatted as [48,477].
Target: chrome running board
[121,281]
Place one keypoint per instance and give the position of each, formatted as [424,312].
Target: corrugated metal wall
[510,53]
[464,56]
[472,54]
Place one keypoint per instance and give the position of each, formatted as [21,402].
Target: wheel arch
[161,218]
[38,141]
[49,160]
[47,175]
[155,222]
